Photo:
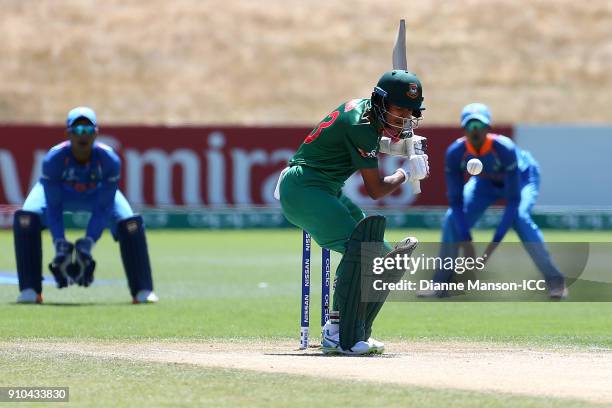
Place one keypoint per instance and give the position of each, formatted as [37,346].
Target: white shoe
[145,296]
[405,246]
[426,293]
[376,347]
[330,340]
[330,343]
[29,296]
[558,293]
[361,348]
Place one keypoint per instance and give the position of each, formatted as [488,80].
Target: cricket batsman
[79,174]
[509,173]
[345,141]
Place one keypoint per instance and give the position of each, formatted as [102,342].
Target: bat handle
[416,185]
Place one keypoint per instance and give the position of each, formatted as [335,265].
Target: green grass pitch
[246,285]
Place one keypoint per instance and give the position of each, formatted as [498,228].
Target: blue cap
[478,111]
[81,112]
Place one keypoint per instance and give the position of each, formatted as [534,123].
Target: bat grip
[416,185]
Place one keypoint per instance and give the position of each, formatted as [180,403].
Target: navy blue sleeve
[512,187]
[51,180]
[105,195]
[454,190]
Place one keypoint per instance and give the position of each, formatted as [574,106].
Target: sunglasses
[474,124]
[81,130]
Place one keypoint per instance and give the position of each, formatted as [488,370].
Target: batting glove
[418,167]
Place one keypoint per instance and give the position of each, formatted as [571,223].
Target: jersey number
[323,125]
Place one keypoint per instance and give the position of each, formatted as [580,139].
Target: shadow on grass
[74,304]
[299,353]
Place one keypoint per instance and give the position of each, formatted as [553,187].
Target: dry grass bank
[273,62]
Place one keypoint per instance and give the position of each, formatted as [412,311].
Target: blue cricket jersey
[72,186]
[504,167]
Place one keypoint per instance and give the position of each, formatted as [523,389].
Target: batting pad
[135,254]
[28,249]
[348,287]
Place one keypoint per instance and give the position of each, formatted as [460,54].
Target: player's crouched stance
[79,175]
[310,192]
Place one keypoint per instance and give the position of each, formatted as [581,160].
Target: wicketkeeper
[79,174]
[311,196]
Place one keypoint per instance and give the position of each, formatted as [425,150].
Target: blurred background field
[289,62]
[219,94]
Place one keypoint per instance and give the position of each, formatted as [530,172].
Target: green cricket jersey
[342,143]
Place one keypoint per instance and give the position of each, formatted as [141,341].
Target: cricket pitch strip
[562,372]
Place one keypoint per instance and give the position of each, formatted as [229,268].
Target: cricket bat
[400,61]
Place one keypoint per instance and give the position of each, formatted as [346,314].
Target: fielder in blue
[508,173]
[79,174]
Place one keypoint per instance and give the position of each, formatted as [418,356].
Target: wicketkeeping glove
[62,263]
[82,270]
